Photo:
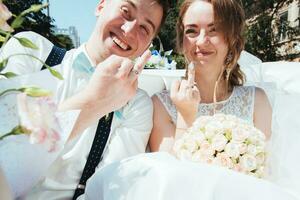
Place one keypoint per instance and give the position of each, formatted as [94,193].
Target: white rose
[260,172]
[206,147]
[202,156]
[237,167]
[243,148]
[198,138]
[239,135]
[213,128]
[248,162]
[203,120]
[260,158]
[233,149]
[219,142]
[191,144]
[254,149]
[251,149]
[256,137]
[222,159]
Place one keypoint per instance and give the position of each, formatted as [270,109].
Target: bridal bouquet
[224,140]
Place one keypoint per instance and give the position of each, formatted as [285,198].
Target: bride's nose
[202,37]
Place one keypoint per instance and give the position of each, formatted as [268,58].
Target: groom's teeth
[120,43]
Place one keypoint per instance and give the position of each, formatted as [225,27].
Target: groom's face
[126,27]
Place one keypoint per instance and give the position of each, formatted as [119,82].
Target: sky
[78,13]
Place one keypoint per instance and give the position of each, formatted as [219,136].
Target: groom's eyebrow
[147,20]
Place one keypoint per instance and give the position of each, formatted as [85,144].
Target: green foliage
[34,19]
[27,43]
[261,34]
[180,61]
[64,41]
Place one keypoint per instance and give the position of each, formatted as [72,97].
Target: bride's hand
[186,96]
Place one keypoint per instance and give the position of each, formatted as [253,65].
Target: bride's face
[202,43]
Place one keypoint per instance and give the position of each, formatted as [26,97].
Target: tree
[168,34]
[38,22]
[264,28]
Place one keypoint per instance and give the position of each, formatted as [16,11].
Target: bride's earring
[228,70]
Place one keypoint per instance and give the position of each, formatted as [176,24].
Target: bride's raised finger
[183,86]
[191,74]
[174,88]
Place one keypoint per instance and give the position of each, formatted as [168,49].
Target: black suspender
[102,133]
[96,152]
[55,57]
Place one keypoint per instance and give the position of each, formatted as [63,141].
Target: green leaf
[2,39]
[18,130]
[35,91]
[55,73]
[9,74]
[3,63]
[34,8]
[17,22]
[27,43]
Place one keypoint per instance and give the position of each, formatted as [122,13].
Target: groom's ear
[99,7]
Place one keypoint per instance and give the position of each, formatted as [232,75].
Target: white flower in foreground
[5,14]
[37,116]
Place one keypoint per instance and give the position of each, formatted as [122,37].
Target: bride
[209,34]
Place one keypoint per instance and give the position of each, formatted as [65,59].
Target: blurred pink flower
[37,117]
[5,14]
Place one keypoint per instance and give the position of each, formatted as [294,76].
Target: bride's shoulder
[163,96]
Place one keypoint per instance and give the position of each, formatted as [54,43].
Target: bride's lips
[122,44]
[202,53]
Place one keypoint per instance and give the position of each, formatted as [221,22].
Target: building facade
[288,21]
[71,32]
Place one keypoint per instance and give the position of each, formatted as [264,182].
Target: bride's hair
[230,20]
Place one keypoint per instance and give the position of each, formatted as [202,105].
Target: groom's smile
[120,42]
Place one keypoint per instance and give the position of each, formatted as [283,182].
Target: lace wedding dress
[239,103]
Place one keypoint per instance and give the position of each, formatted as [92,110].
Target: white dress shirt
[130,128]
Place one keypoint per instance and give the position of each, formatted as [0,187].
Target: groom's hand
[112,85]
[114,82]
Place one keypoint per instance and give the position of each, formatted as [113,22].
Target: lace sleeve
[165,99]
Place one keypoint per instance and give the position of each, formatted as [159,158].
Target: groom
[100,77]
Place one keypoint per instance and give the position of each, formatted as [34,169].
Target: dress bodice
[240,103]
